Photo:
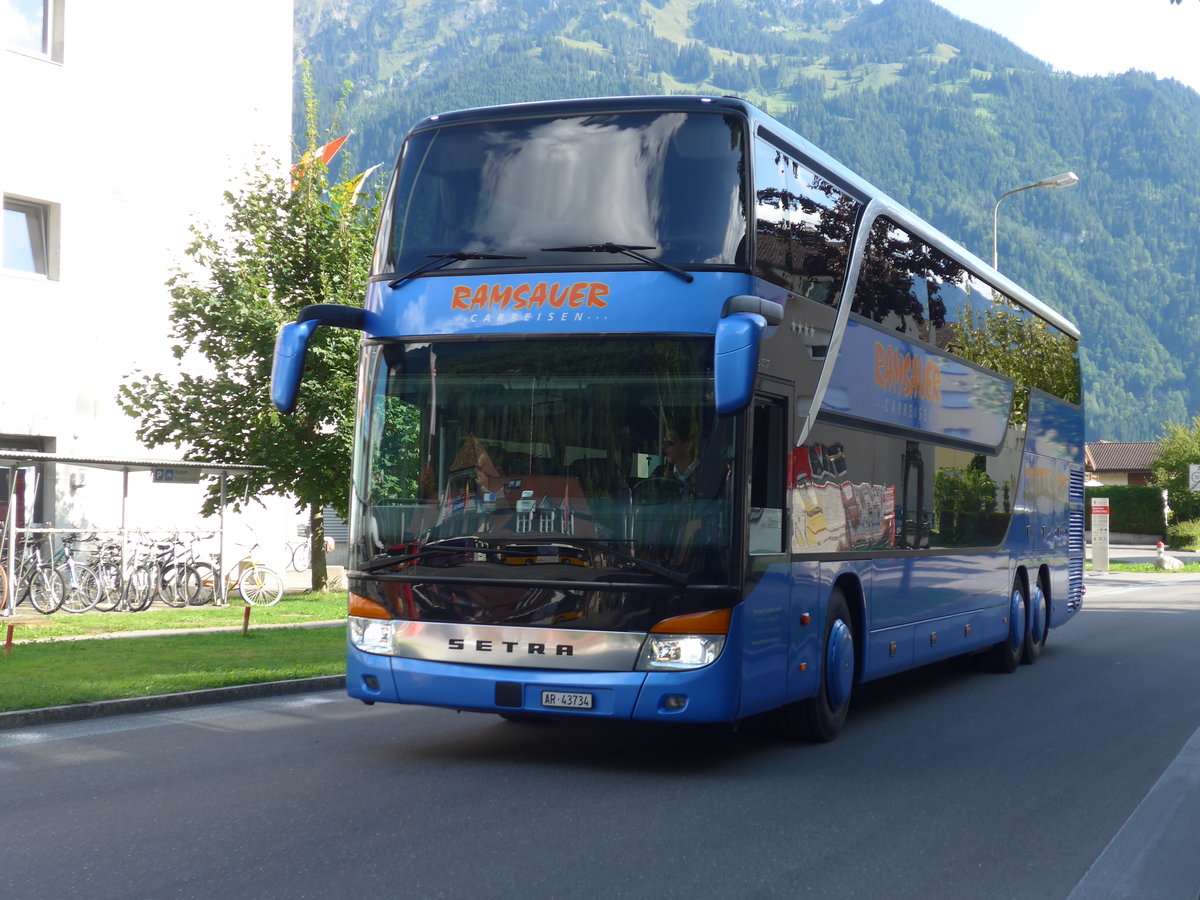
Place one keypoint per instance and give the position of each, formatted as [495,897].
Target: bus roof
[758,119]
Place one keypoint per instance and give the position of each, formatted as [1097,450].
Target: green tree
[1180,445]
[284,245]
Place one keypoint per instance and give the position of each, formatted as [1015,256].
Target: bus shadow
[656,748]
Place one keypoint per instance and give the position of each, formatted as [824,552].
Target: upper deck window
[669,184]
[804,226]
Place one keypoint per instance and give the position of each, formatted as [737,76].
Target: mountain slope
[941,114]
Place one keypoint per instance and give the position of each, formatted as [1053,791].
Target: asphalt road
[1078,777]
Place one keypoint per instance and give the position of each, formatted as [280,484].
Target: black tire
[208,584]
[1039,624]
[138,592]
[1005,656]
[820,718]
[179,585]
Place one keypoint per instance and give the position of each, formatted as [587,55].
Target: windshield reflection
[671,182]
[582,460]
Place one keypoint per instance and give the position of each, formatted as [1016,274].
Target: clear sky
[1097,37]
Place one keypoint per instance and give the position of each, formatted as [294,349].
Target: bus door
[768,571]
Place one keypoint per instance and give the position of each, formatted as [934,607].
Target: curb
[22,718]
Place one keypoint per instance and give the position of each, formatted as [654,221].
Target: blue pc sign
[167,475]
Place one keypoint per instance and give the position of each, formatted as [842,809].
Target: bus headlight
[371,635]
[679,651]
[685,642]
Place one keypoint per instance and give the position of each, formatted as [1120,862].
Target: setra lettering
[532,648]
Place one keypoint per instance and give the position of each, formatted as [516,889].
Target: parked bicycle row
[80,573]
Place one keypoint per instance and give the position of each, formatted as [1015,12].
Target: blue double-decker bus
[666,415]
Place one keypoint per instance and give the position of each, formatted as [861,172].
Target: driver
[680,463]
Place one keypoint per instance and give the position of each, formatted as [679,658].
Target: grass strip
[59,674]
[1149,569]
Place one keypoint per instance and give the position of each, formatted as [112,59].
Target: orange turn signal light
[367,609]
[713,622]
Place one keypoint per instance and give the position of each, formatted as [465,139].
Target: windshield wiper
[672,575]
[386,562]
[627,250]
[437,260]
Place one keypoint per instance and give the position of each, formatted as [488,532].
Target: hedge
[1135,510]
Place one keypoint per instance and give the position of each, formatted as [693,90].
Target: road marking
[1154,853]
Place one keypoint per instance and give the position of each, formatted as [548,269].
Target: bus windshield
[591,460]
[613,190]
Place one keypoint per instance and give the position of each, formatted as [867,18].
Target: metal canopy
[18,459]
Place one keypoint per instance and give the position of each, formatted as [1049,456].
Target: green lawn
[1149,568]
[61,673]
[58,673]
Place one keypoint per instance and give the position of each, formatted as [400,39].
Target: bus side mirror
[735,360]
[291,346]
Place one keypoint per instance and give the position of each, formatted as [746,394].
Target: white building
[124,123]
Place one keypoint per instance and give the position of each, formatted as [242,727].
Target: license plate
[566,700]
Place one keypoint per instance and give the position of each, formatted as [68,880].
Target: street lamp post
[1063,180]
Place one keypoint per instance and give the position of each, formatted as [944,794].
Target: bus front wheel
[820,718]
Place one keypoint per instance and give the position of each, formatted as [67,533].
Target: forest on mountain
[939,113]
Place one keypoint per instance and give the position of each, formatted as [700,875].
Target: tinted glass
[670,184]
[606,455]
[803,226]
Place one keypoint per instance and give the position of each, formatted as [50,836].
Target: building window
[30,230]
[35,26]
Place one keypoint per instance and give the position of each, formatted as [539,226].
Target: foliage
[1184,536]
[1180,448]
[941,114]
[1134,509]
[278,250]
[963,499]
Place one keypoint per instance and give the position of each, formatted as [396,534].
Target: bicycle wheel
[208,584]
[301,558]
[138,592]
[82,588]
[260,586]
[178,585]
[110,587]
[46,591]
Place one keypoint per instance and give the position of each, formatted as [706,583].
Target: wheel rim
[839,664]
[1038,617]
[1016,619]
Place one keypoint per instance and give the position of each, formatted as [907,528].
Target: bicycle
[301,555]
[37,580]
[81,583]
[257,583]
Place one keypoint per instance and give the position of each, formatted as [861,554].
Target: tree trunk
[316,538]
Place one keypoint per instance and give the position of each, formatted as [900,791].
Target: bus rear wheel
[820,718]
[1039,624]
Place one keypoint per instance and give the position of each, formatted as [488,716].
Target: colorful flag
[325,153]
[347,193]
